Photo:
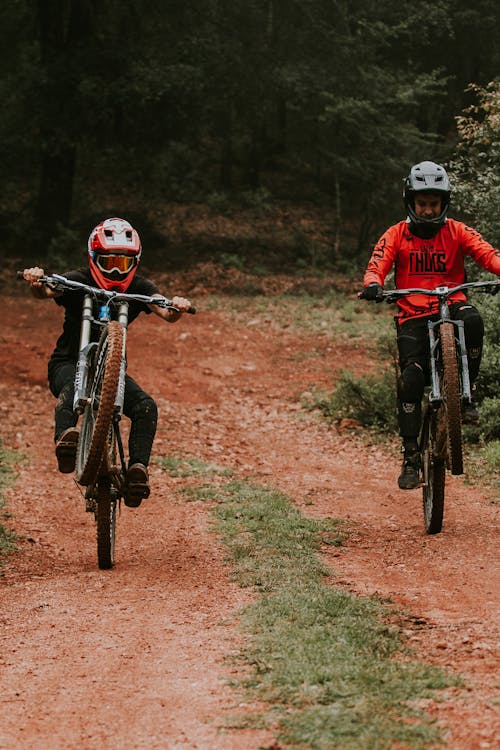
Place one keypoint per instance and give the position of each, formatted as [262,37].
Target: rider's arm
[383,257]
[38,290]
[484,254]
[171,316]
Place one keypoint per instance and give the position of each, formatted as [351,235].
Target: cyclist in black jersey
[114,252]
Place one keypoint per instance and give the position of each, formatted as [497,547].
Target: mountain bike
[98,398]
[440,440]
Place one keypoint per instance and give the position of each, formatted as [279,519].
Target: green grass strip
[334,672]
[7,537]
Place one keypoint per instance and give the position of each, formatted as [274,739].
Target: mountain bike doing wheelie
[98,398]
[440,439]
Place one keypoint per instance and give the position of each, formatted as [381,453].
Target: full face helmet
[114,250]
[427,177]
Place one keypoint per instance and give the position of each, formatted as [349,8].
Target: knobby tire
[433,471]
[451,388]
[105,515]
[98,414]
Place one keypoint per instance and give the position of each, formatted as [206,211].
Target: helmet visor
[111,262]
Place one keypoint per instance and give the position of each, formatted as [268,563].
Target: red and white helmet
[114,251]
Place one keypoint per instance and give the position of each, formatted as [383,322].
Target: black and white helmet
[427,177]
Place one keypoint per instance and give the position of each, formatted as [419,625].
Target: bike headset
[114,251]
[426,177]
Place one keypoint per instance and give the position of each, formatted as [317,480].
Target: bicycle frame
[443,294]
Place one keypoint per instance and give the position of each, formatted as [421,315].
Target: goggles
[121,263]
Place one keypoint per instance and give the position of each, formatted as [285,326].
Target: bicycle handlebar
[442,292]
[58,283]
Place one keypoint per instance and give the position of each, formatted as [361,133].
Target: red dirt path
[137,657]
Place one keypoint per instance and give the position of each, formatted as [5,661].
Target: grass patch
[331,670]
[333,313]
[7,537]
[483,465]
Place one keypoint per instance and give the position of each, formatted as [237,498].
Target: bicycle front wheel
[98,414]
[451,388]
[433,473]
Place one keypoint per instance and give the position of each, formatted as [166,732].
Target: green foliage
[145,101]
[7,537]
[475,167]
[490,418]
[491,455]
[369,400]
[476,192]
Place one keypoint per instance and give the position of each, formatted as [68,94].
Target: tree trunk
[63,26]
[226,157]
[55,192]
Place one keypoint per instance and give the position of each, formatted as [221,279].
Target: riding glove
[373,292]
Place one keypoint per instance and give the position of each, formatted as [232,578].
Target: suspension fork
[464,369]
[82,365]
[120,393]
[435,394]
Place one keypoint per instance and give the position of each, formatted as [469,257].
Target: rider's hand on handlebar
[182,304]
[32,275]
[373,292]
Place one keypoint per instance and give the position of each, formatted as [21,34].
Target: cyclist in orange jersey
[427,250]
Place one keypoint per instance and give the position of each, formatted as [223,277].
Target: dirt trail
[137,657]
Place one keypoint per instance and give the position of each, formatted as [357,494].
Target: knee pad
[411,383]
[145,408]
[474,331]
[473,325]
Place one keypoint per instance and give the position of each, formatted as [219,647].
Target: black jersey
[66,349]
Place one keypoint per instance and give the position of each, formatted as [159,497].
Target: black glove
[373,292]
[496,288]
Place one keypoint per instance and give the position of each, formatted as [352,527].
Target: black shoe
[470,414]
[409,479]
[136,485]
[66,450]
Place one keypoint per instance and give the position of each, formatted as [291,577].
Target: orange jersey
[428,263]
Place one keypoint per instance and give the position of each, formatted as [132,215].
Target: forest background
[264,133]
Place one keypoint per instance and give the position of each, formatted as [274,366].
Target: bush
[370,400]
[491,454]
[490,418]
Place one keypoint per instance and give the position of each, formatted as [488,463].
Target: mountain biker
[114,253]
[427,250]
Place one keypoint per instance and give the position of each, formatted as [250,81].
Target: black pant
[138,406]
[413,347]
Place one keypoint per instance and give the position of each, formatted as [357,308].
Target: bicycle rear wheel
[451,389]
[98,414]
[105,516]
[433,472]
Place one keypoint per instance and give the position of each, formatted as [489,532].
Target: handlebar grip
[192,310]
[20,275]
